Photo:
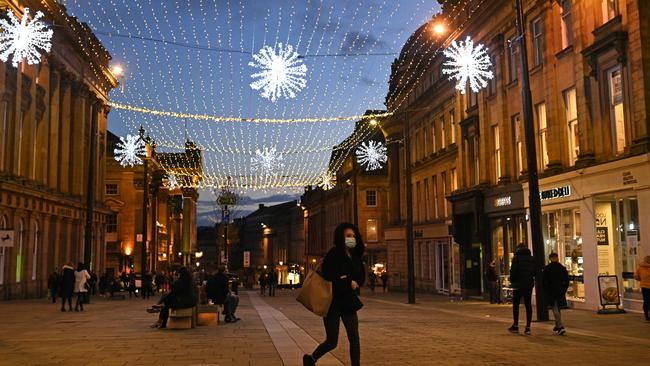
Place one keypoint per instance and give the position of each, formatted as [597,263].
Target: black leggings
[80,301]
[527,294]
[351,323]
[63,299]
[646,301]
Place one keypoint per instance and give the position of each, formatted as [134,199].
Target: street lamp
[439,29]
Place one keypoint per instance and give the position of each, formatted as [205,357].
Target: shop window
[519,145]
[562,235]
[513,63]
[496,154]
[629,235]
[371,230]
[536,30]
[616,110]
[566,25]
[111,189]
[443,137]
[541,135]
[111,223]
[452,127]
[609,10]
[571,113]
[371,198]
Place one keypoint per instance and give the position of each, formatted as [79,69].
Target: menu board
[608,289]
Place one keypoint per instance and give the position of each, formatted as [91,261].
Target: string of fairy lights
[265,93]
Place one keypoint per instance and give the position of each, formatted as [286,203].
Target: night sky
[193,57]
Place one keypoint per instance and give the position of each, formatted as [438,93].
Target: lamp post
[410,255]
[533,181]
[145,202]
[90,189]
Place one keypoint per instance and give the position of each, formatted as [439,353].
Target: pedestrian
[66,289]
[81,277]
[273,282]
[522,280]
[263,281]
[147,286]
[53,285]
[492,282]
[131,283]
[642,274]
[384,280]
[217,290]
[556,282]
[93,282]
[342,266]
[372,280]
[181,296]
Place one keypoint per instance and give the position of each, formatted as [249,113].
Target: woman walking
[81,277]
[643,274]
[343,267]
[67,286]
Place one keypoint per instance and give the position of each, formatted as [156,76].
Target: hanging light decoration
[327,181]
[468,64]
[266,161]
[372,155]
[128,152]
[24,39]
[282,72]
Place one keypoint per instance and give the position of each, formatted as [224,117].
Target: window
[609,10]
[492,83]
[416,147]
[4,131]
[443,137]
[427,208]
[541,135]
[21,122]
[571,112]
[372,230]
[443,178]
[536,30]
[434,148]
[452,127]
[434,182]
[616,110]
[472,98]
[476,154]
[418,198]
[454,180]
[111,223]
[496,155]
[513,68]
[19,252]
[566,25]
[111,189]
[37,235]
[371,198]
[519,145]
[425,146]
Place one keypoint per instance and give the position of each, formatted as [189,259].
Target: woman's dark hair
[339,238]
[185,276]
[80,266]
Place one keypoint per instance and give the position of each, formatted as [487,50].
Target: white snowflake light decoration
[266,161]
[128,152]
[327,181]
[372,155]
[468,64]
[23,39]
[282,72]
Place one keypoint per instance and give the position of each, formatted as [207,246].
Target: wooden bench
[118,294]
[208,314]
[181,318]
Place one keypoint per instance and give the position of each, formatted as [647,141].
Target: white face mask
[350,242]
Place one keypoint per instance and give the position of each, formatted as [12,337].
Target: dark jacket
[522,271]
[67,282]
[216,288]
[181,296]
[341,269]
[555,281]
[53,281]
[491,274]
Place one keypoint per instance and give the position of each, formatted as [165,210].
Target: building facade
[47,112]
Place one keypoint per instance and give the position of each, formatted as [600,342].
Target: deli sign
[554,193]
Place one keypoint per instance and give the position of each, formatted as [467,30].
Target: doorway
[442,266]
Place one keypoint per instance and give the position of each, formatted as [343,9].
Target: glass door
[442,266]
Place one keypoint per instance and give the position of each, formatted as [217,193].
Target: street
[278,330]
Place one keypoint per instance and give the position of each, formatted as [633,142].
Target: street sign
[6,238]
[227,199]
[247,258]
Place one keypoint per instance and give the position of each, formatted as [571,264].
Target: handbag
[316,293]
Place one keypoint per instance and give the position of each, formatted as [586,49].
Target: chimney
[261,206]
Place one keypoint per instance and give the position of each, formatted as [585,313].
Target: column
[190,196]
[64,136]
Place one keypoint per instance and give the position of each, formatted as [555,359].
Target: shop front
[596,219]
[506,218]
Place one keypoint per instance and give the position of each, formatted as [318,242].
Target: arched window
[37,239]
[3,225]
[19,250]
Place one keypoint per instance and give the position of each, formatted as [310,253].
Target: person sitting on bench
[181,296]
[216,290]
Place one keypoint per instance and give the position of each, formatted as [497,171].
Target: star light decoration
[282,72]
[327,181]
[267,160]
[468,64]
[128,152]
[372,155]
[23,39]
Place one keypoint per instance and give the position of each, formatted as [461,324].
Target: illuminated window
[443,137]
[609,10]
[372,230]
[616,110]
[566,25]
[571,112]
[496,154]
[541,134]
[519,145]
[452,127]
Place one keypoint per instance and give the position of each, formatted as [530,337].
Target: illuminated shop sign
[554,193]
[503,201]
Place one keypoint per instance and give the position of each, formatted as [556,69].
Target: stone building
[171,210]
[590,102]
[47,113]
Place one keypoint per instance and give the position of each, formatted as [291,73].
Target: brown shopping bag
[316,294]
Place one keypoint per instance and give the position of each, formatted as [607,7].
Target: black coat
[216,288]
[556,281]
[522,271]
[491,274]
[341,269]
[181,296]
[67,282]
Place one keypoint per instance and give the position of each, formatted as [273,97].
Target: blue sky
[192,56]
